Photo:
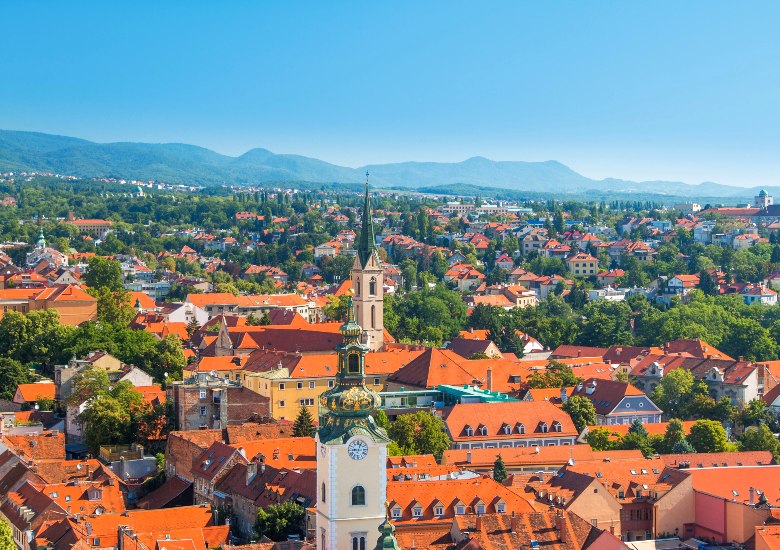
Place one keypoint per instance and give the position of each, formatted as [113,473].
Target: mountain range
[190,164]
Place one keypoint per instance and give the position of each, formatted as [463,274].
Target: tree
[600,439]
[673,393]
[683,448]
[760,438]
[499,470]
[420,433]
[707,285]
[556,375]
[279,521]
[708,436]
[581,411]
[6,536]
[12,373]
[638,428]
[113,307]
[380,417]
[104,273]
[303,425]
[675,433]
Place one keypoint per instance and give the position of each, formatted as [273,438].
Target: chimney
[468,457]
[88,527]
[564,395]
[514,523]
[490,379]
[560,525]
[740,359]
[251,472]
[752,493]
[478,523]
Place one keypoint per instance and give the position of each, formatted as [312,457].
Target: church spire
[367,243]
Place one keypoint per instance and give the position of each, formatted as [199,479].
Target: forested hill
[181,163]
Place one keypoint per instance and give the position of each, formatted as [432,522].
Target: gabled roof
[35,392]
[735,483]
[606,395]
[407,495]
[495,416]
[44,445]
[213,460]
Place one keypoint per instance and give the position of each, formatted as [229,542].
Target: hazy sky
[641,90]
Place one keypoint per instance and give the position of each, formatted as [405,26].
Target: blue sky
[641,90]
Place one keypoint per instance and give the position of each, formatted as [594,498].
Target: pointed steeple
[366,245]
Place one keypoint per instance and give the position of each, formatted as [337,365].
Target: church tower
[351,453]
[368,281]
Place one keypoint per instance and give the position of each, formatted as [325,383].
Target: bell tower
[351,453]
[368,281]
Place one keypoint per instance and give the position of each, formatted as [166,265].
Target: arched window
[323,492]
[373,316]
[353,364]
[358,496]
[521,429]
[372,287]
[358,542]
[557,427]
[545,428]
[469,431]
[507,429]
[483,430]
[357,288]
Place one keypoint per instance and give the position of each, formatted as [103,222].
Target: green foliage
[336,308]
[303,425]
[12,373]
[708,436]
[600,439]
[683,447]
[606,323]
[419,433]
[380,417]
[556,375]
[674,392]
[760,438]
[499,469]
[675,433]
[279,521]
[104,273]
[431,315]
[581,411]
[6,536]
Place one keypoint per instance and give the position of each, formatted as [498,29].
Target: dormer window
[557,427]
[500,507]
[521,429]
[483,430]
[438,510]
[544,427]
[507,429]
[480,508]
[417,511]
[396,512]
[460,509]
[469,431]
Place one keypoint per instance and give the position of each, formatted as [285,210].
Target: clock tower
[351,453]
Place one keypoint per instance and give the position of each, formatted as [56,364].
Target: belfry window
[372,287]
[353,363]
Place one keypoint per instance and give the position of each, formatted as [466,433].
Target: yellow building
[294,380]
[583,265]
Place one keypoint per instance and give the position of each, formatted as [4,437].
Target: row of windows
[438,510]
[519,428]
[313,384]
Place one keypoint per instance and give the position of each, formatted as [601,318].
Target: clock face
[357,450]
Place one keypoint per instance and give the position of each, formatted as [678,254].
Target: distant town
[299,367]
